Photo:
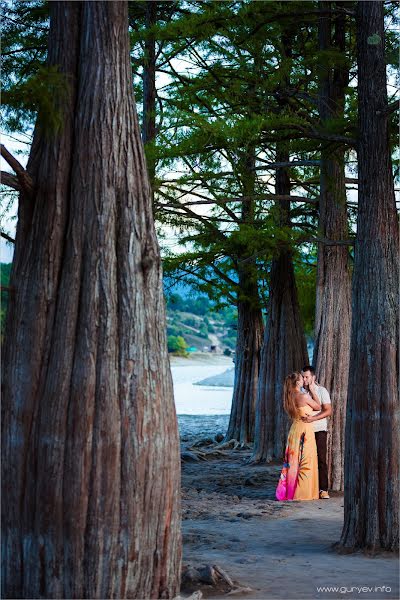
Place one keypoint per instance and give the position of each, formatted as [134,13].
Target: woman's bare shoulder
[301,398]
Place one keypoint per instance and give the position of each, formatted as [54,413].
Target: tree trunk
[333,304]
[371,515]
[284,348]
[90,444]
[247,359]
[149,91]
[250,325]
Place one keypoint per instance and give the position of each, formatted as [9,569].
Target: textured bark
[371,515]
[284,349]
[333,297]
[247,359]
[250,323]
[90,446]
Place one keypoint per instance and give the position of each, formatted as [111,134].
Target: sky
[16,144]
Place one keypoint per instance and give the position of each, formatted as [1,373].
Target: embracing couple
[305,474]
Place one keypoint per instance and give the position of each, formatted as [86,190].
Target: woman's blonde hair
[289,387]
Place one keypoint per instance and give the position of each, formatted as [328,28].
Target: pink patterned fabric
[299,476]
[290,471]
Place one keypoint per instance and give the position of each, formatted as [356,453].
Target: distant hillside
[194,319]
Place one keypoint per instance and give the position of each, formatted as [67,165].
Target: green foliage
[42,93]
[27,85]
[230,92]
[306,277]
[177,345]
[203,331]
[226,115]
[198,305]
[175,302]
[191,321]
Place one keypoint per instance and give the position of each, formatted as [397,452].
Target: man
[320,424]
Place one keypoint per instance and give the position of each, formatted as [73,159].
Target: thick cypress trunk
[284,351]
[250,323]
[284,348]
[90,444]
[333,304]
[371,515]
[247,358]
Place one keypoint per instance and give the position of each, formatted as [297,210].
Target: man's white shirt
[324,398]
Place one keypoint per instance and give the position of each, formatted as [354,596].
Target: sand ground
[280,550]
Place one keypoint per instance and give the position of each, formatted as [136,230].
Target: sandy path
[280,550]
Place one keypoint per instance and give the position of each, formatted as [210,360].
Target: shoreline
[197,359]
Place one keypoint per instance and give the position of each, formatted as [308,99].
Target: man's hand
[308,419]
[313,388]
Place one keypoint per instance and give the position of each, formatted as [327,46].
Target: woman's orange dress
[299,477]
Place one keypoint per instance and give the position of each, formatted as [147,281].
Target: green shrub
[177,345]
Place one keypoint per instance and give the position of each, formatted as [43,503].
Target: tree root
[202,454]
[203,442]
[257,460]
[207,575]
[206,449]
[234,445]
[224,576]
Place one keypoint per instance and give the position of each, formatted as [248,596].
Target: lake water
[199,399]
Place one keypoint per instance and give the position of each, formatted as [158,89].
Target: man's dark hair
[308,368]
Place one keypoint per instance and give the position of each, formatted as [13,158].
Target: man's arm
[326,411]
[313,401]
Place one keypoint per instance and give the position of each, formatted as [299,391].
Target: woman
[299,477]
